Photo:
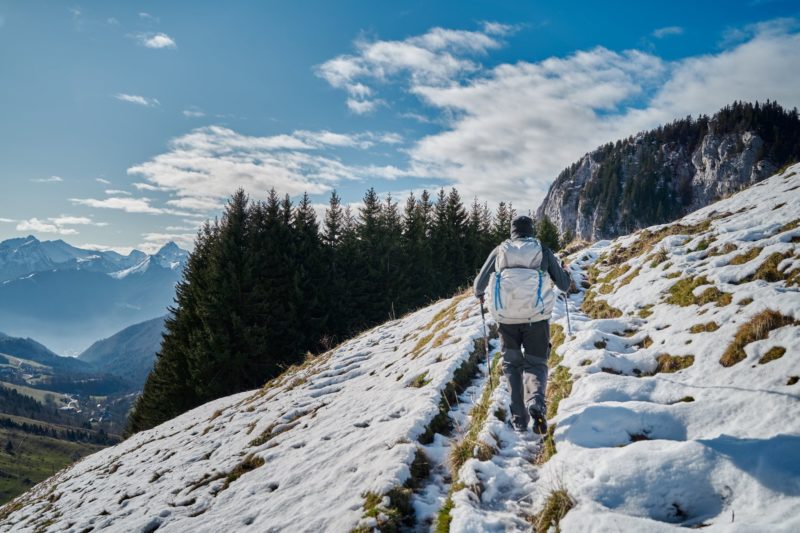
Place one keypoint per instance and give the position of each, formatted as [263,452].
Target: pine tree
[502,222]
[416,247]
[311,273]
[547,233]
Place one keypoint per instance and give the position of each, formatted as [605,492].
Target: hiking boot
[519,427]
[539,420]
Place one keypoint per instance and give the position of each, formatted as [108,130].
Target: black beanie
[521,226]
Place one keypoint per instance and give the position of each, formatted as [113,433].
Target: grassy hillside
[26,459]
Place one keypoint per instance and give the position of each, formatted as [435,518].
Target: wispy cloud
[193,113]
[7,220]
[156,40]
[112,192]
[202,167]
[103,181]
[129,205]
[660,33]
[433,58]
[60,225]
[51,179]
[138,100]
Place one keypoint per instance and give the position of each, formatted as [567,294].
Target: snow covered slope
[674,404]
[299,455]
[679,383]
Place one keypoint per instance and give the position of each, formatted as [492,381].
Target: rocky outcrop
[659,176]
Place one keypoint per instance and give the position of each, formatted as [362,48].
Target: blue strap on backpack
[498,304]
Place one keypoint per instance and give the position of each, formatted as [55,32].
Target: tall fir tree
[547,233]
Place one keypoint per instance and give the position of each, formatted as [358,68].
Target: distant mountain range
[121,362]
[128,354]
[67,297]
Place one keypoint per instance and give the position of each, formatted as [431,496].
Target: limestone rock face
[688,177]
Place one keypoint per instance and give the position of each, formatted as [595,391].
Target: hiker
[522,300]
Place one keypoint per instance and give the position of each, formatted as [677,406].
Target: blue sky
[128,123]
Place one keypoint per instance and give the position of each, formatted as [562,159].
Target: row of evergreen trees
[266,284]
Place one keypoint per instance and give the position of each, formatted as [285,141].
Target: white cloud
[138,100]
[41,226]
[148,187]
[112,192]
[509,130]
[58,224]
[193,113]
[66,220]
[154,241]
[206,165]
[435,57]
[181,228]
[103,181]
[51,179]
[7,220]
[156,40]
[129,205]
[660,33]
[196,203]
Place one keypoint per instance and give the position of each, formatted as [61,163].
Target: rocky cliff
[661,175]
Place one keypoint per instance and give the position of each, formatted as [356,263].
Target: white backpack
[521,291]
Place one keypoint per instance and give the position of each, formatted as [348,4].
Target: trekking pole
[486,344]
[566,307]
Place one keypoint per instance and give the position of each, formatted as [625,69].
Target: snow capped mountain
[68,297]
[672,403]
[170,257]
[24,256]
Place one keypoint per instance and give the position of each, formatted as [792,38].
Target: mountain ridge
[88,296]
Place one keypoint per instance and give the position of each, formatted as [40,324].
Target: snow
[730,459]
[340,427]
[708,445]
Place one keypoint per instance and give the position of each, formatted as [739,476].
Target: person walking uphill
[522,299]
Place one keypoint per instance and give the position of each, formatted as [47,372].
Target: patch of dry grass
[555,508]
[668,364]
[703,328]
[776,352]
[682,293]
[768,270]
[557,338]
[598,309]
[746,257]
[757,328]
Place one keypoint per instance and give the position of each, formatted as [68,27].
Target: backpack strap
[498,304]
[539,291]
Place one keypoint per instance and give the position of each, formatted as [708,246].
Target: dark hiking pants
[525,349]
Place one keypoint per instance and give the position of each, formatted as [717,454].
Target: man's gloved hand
[482,298]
